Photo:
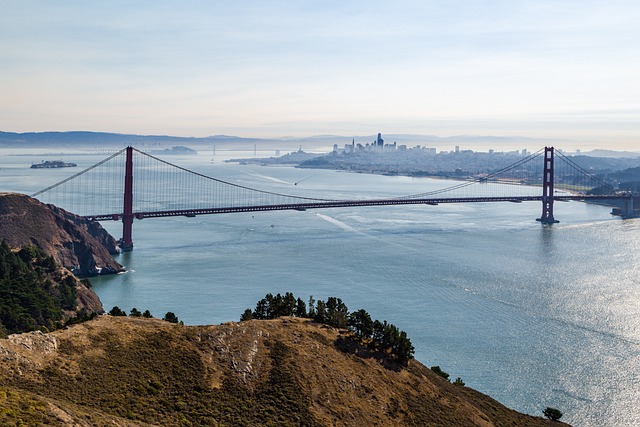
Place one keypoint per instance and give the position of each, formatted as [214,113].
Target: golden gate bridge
[132,184]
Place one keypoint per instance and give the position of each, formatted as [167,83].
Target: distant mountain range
[85,138]
[100,140]
[90,138]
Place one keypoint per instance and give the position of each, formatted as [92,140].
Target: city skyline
[544,69]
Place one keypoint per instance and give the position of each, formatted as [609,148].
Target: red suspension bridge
[132,184]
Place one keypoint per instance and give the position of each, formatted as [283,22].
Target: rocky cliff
[122,371]
[80,245]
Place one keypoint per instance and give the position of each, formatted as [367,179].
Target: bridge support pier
[627,210]
[547,189]
[629,207]
[126,243]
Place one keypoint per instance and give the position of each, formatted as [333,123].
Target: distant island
[52,164]
[178,149]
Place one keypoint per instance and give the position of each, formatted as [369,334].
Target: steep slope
[133,371]
[36,293]
[80,245]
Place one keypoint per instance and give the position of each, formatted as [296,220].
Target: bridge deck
[348,203]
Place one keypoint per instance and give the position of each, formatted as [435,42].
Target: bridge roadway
[348,203]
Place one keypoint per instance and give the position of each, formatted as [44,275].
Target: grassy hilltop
[139,372]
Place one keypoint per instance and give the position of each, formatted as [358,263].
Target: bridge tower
[126,243]
[547,188]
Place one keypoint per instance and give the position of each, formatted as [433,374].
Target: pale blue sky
[556,69]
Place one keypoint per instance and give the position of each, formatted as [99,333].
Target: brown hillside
[132,371]
[78,244]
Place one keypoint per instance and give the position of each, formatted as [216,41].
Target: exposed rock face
[88,299]
[78,244]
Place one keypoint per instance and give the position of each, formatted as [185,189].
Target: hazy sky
[558,69]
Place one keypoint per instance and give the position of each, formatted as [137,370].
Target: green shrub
[552,413]
[440,372]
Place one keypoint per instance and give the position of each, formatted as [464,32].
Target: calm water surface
[532,315]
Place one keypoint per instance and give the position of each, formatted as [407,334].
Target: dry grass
[279,372]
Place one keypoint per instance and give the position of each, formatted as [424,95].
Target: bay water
[533,315]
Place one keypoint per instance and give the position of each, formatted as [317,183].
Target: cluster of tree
[169,317]
[380,336]
[271,307]
[33,292]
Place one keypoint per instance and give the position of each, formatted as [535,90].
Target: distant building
[457,148]
[379,142]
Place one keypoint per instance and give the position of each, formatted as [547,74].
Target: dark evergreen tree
[117,311]
[68,293]
[247,315]
[301,308]
[312,307]
[403,350]
[262,309]
[440,372]
[135,312]
[288,305]
[552,413]
[361,324]
[147,314]
[271,304]
[389,337]
[337,313]
[170,317]
[321,312]
[378,334]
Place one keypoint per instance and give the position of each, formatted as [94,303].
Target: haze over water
[532,315]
